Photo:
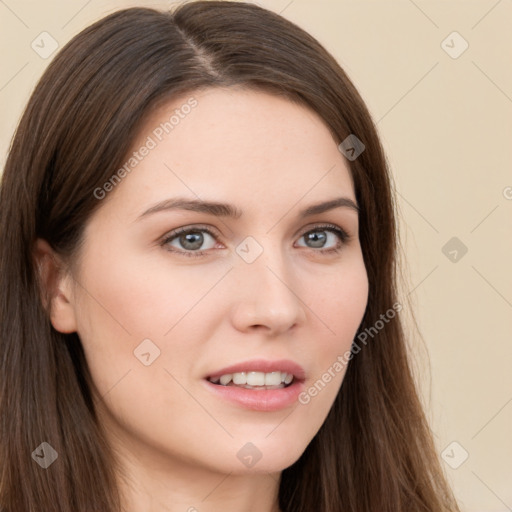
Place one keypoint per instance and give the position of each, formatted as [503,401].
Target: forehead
[233,143]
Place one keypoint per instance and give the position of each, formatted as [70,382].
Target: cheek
[123,302]
[144,297]
[339,304]
[339,301]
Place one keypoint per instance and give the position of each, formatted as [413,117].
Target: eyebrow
[227,210]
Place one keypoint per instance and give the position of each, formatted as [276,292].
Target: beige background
[446,124]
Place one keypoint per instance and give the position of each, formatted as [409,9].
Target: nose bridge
[268,298]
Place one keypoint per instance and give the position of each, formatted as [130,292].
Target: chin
[267,455]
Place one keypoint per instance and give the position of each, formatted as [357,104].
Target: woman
[198,260]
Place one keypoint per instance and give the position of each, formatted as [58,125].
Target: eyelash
[342,234]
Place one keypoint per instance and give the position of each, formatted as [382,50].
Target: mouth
[255,380]
[258,384]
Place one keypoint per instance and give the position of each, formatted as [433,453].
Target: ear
[56,287]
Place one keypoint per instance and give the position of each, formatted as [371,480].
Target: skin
[176,441]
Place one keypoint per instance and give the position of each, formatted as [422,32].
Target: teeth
[239,378]
[254,378]
[226,379]
[271,379]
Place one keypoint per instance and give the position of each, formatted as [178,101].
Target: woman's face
[158,312]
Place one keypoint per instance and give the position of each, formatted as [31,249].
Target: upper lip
[263,365]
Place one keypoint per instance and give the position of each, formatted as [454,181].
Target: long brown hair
[374,451]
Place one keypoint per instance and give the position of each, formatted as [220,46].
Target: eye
[327,238]
[190,241]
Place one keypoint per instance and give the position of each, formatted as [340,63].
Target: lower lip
[265,400]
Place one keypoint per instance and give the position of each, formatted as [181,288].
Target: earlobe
[55,287]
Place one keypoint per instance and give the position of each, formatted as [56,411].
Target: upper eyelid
[185,229]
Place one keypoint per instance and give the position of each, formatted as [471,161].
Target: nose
[265,297]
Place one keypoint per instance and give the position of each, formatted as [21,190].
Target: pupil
[192,240]
[317,238]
